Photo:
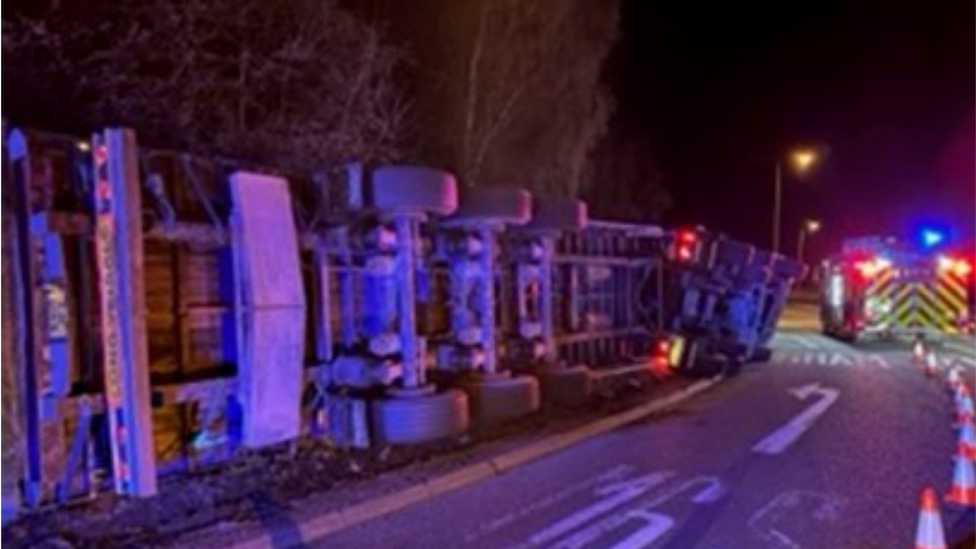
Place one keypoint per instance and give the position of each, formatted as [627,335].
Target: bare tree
[630,184]
[508,91]
[295,84]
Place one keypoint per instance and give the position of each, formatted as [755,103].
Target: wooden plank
[54,338]
[119,252]
[12,434]
[198,234]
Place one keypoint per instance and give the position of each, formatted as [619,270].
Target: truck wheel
[414,189]
[509,205]
[561,214]
[496,398]
[418,419]
[570,387]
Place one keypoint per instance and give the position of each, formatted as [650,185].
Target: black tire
[503,398]
[414,189]
[569,387]
[418,419]
[509,205]
[563,214]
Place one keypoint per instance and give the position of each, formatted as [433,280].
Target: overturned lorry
[721,300]
[176,311]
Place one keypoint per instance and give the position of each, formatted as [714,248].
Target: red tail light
[663,347]
[685,242]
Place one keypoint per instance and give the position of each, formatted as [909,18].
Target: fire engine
[886,288]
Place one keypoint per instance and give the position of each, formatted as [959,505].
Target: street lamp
[800,160]
[810,226]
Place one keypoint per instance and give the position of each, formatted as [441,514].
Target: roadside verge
[288,530]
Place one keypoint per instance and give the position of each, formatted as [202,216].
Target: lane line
[782,438]
[806,342]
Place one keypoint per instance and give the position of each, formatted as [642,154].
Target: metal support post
[118,244]
[13,357]
[413,367]
[487,298]
[546,312]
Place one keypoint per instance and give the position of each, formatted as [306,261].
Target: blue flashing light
[932,237]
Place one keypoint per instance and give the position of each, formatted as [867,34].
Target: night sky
[888,90]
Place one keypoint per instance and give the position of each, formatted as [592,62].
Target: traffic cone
[918,350]
[966,447]
[964,410]
[929,534]
[953,378]
[931,363]
[959,394]
[963,484]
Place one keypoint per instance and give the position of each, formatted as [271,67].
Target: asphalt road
[826,446]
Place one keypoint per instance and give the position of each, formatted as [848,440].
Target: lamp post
[800,160]
[810,226]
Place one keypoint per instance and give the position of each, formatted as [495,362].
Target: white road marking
[782,438]
[817,359]
[614,474]
[657,525]
[793,507]
[840,359]
[879,360]
[711,490]
[806,342]
[622,493]
[969,351]
[825,359]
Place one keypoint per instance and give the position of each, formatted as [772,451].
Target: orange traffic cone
[960,394]
[966,448]
[931,365]
[953,378]
[964,410]
[929,534]
[918,350]
[963,484]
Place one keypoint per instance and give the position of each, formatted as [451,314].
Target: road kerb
[460,478]
[321,526]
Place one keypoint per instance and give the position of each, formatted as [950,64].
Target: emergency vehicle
[884,288]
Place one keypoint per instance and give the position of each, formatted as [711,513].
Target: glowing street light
[801,161]
[809,226]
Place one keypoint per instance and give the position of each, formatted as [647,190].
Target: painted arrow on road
[782,438]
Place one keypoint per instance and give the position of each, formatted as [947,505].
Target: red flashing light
[959,267]
[872,267]
[963,268]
